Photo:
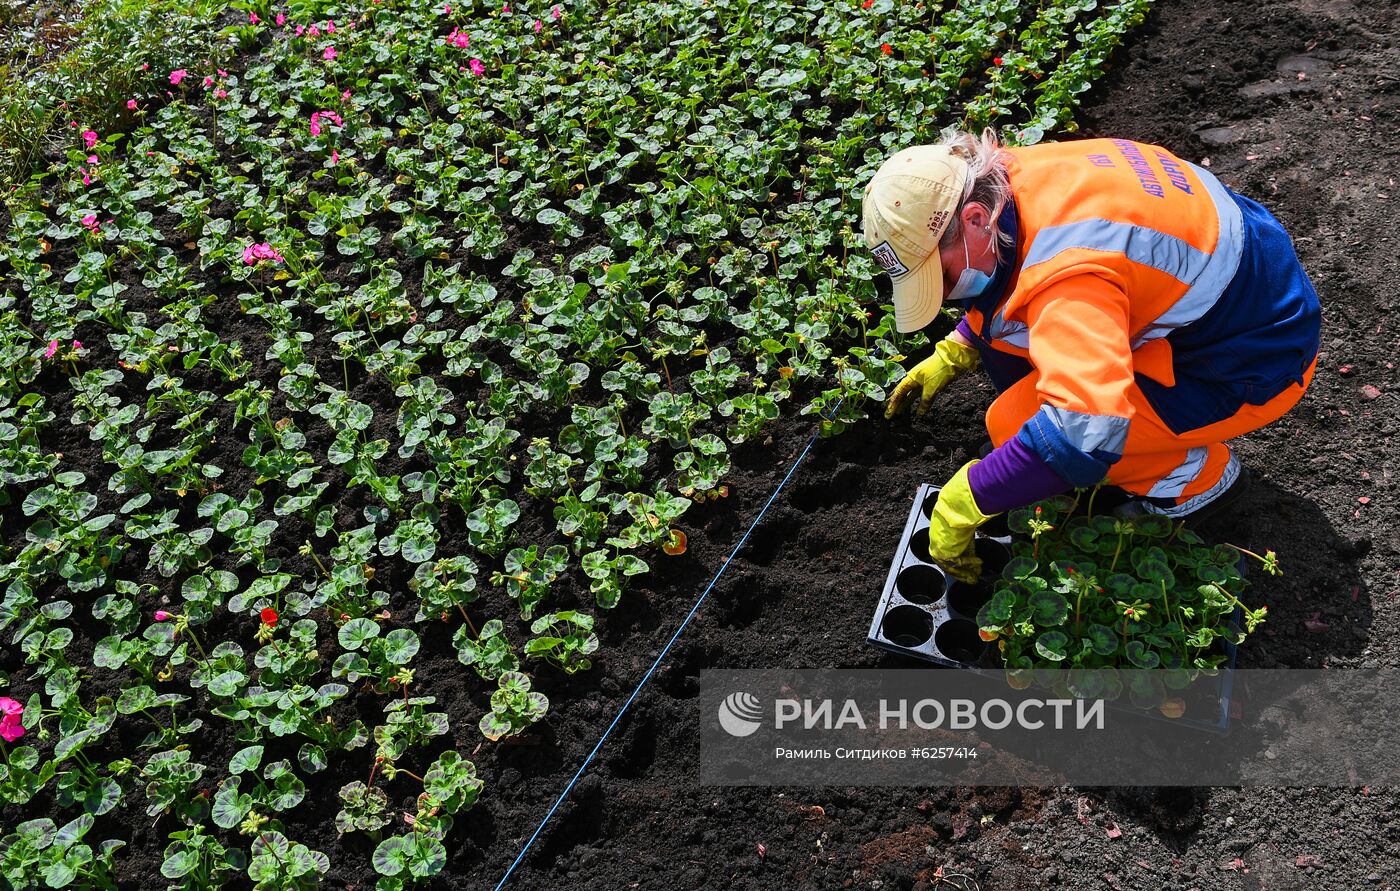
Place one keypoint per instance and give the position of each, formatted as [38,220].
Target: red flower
[886,49]
[867,4]
[269,616]
[997,60]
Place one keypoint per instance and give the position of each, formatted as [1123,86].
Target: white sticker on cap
[889,260]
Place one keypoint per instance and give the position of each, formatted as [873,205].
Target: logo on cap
[889,260]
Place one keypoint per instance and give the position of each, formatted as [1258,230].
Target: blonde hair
[986,184]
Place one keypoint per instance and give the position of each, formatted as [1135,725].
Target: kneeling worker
[1133,312]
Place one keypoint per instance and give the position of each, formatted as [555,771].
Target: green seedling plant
[443,585]
[170,777]
[489,653]
[200,858]
[363,808]
[407,723]
[276,789]
[566,640]
[65,538]
[38,854]
[582,518]
[409,859]
[514,707]
[450,785]
[529,574]
[1094,591]
[488,525]
[379,659]
[607,573]
[279,864]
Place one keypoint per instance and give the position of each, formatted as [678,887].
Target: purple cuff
[966,331]
[1012,476]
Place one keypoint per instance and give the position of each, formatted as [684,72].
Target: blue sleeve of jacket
[1045,434]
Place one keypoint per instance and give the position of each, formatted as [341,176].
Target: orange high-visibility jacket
[1135,266]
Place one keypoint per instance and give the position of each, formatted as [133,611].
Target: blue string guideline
[662,655]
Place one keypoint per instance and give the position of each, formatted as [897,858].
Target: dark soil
[1291,102]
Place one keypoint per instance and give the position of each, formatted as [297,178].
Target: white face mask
[972,282]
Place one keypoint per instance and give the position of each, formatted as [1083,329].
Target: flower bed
[407,339]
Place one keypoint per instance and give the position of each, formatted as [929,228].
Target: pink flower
[177,75]
[555,13]
[477,68]
[281,19]
[208,81]
[458,38]
[10,727]
[220,94]
[53,348]
[335,156]
[145,66]
[313,31]
[255,252]
[505,7]
[90,138]
[316,120]
[92,159]
[447,9]
[87,179]
[78,344]
[252,18]
[328,53]
[222,72]
[300,28]
[344,96]
[538,25]
[330,26]
[162,616]
[131,104]
[90,221]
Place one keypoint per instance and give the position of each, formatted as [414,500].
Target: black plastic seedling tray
[925,613]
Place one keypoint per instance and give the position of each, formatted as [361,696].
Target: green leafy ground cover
[377,317]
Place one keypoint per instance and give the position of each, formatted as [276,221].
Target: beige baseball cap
[908,204]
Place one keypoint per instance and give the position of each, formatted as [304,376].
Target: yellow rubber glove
[950,358]
[955,519]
